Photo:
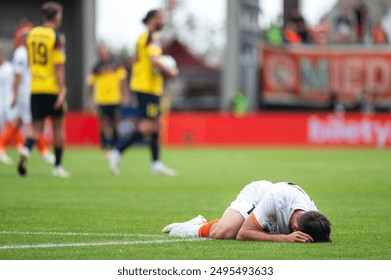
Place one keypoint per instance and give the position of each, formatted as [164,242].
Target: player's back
[44,47]
[21,67]
[6,78]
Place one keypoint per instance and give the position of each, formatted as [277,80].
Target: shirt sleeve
[153,45]
[59,56]
[91,79]
[20,63]
[264,214]
[121,73]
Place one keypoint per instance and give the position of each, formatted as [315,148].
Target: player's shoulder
[20,52]
[40,29]
[143,37]
[41,33]
[6,67]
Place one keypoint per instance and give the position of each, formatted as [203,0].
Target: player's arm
[90,92]
[19,64]
[156,62]
[123,85]
[59,70]
[154,54]
[252,231]
[15,88]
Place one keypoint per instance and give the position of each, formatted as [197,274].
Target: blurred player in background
[48,91]
[19,111]
[107,89]
[263,211]
[147,86]
[6,77]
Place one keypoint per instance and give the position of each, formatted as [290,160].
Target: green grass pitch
[95,215]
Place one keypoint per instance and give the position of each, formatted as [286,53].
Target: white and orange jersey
[272,205]
[21,67]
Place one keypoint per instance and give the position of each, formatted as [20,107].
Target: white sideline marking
[91,244]
[80,234]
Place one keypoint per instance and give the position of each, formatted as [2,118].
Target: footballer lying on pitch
[263,211]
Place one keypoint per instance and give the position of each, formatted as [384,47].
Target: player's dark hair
[316,225]
[50,10]
[150,14]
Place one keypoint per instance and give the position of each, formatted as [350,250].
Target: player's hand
[172,73]
[13,102]
[60,99]
[299,236]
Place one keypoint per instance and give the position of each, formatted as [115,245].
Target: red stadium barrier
[81,129]
[275,129]
[279,129]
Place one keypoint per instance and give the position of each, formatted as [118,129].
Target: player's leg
[47,156]
[104,127]
[230,223]
[11,114]
[5,138]
[227,227]
[151,127]
[113,122]
[37,129]
[114,157]
[58,144]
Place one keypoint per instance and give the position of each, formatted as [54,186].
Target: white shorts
[249,197]
[21,110]
[3,113]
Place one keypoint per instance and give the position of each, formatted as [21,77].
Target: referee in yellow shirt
[46,55]
[147,85]
[107,89]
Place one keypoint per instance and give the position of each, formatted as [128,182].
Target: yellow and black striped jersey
[45,50]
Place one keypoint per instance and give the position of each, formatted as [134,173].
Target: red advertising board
[309,75]
[270,129]
[286,129]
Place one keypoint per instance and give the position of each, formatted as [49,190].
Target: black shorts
[148,105]
[42,106]
[111,112]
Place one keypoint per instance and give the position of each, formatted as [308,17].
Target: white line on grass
[91,244]
[80,234]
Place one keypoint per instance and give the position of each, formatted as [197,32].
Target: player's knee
[221,233]
[240,236]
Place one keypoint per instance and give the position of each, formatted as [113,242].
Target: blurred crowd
[351,24]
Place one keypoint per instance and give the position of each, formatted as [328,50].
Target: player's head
[316,225]
[155,20]
[103,52]
[20,38]
[52,11]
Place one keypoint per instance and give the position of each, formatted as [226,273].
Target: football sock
[154,145]
[205,228]
[114,139]
[19,139]
[41,145]
[30,143]
[104,141]
[125,143]
[58,156]
[10,131]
